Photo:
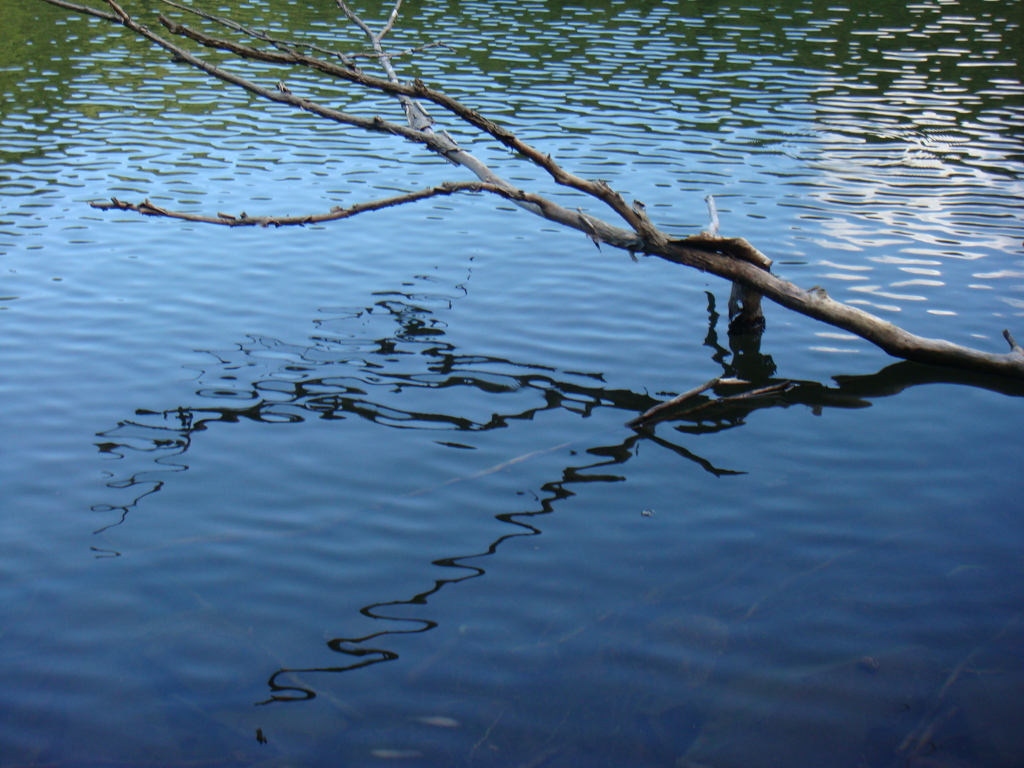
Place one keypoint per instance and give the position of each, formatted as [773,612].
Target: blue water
[362,494]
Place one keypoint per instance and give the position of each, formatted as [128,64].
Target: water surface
[361,494]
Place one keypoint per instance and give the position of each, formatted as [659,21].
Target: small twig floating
[782,386]
[647,415]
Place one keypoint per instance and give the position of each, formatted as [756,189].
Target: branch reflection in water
[338,378]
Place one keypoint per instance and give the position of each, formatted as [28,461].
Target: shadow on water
[338,378]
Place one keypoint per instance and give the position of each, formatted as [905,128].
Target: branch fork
[733,259]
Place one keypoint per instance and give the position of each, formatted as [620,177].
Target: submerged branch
[660,411]
[647,415]
[419,90]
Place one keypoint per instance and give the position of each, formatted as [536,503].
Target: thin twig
[148,208]
[85,10]
[354,18]
[712,212]
[653,412]
[258,34]
[485,737]
[651,236]
[415,114]
[646,415]
[375,124]
[771,389]
[397,54]
[938,714]
[1014,347]
[119,11]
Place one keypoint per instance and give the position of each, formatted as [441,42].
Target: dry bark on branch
[147,208]
[731,258]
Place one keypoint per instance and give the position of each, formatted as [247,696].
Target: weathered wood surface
[733,259]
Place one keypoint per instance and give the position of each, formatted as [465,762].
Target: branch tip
[1014,346]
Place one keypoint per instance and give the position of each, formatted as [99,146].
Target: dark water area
[362,494]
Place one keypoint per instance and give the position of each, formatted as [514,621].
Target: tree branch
[84,10]
[815,303]
[414,112]
[733,259]
[597,189]
[147,208]
[259,34]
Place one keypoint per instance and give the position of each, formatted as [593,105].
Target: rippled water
[361,494]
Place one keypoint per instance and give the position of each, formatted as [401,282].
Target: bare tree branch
[355,19]
[647,415]
[598,189]
[147,208]
[375,124]
[414,112]
[259,34]
[733,259]
[391,19]
[1014,347]
[402,53]
[84,10]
